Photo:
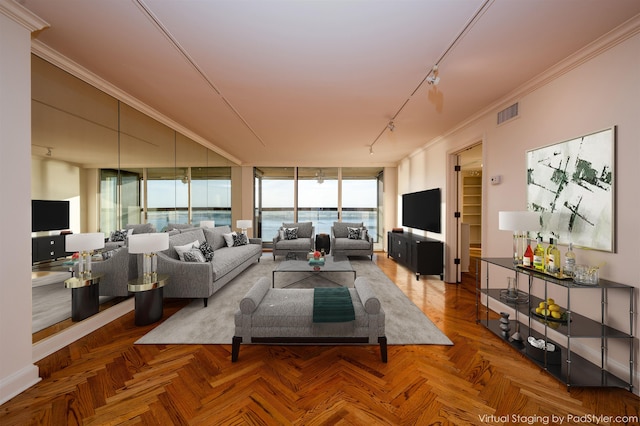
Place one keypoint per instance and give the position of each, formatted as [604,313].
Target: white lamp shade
[84,242]
[207,224]
[148,243]
[244,223]
[518,221]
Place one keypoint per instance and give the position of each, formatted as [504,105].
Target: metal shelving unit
[567,366]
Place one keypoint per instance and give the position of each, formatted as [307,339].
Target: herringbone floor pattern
[104,379]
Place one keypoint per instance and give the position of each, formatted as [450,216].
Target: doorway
[469,198]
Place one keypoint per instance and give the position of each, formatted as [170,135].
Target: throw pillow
[193,255]
[240,240]
[354,233]
[119,235]
[290,233]
[107,254]
[207,251]
[182,249]
[363,234]
[228,238]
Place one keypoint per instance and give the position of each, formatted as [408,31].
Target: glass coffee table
[331,265]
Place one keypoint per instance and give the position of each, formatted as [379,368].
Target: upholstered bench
[285,316]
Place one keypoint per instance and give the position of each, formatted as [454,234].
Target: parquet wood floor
[104,379]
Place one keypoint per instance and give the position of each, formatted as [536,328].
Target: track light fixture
[49,152]
[391,126]
[433,78]
[370,149]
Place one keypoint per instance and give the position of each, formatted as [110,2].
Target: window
[274,199]
[312,194]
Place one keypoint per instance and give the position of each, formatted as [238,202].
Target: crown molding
[23,16]
[606,42]
[54,57]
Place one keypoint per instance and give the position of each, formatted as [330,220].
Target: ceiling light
[49,152]
[371,150]
[391,126]
[433,80]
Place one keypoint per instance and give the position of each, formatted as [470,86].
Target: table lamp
[149,245]
[244,224]
[520,222]
[84,244]
[207,224]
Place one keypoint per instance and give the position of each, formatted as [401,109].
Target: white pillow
[181,249]
[228,238]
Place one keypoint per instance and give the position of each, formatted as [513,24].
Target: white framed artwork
[572,185]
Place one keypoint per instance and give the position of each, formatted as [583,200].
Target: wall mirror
[115,166]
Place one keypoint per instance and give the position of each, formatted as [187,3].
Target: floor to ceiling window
[319,195]
[211,195]
[165,195]
[275,199]
[361,197]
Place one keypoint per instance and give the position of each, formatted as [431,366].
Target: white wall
[17,372]
[589,94]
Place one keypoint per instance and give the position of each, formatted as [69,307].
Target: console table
[85,296]
[47,248]
[148,296]
[424,256]
[566,365]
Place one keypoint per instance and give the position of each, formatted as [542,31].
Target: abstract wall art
[572,185]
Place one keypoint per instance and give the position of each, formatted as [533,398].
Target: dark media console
[47,248]
[424,256]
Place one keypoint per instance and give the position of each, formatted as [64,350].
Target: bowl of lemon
[550,311]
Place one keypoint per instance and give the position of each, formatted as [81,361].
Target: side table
[148,298]
[85,296]
[323,241]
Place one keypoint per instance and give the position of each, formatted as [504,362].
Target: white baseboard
[18,382]
[65,337]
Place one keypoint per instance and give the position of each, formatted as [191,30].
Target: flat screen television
[421,210]
[49,215]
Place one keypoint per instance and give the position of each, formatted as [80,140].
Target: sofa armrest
[368,298]
[254,296]
[183,271]
[255,241]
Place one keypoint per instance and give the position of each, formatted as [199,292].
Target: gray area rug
[405,324]
[50,304]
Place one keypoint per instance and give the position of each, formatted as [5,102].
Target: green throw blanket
[332,305]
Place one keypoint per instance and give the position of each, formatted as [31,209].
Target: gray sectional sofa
[202,279]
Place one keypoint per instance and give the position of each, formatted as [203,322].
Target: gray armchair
[355,243]
[116,272]
[283,244]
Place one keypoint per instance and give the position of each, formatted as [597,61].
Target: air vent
[508,113]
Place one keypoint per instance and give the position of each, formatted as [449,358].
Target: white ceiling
[315,83]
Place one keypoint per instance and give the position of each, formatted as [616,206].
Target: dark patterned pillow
[290,233]
[108,254]
[240,240]
[207,251]
[354,233]
[193,255]
[119,235]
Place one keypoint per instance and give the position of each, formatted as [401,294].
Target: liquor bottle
[569,261]
[538,255]
[527,259]
[552,258]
